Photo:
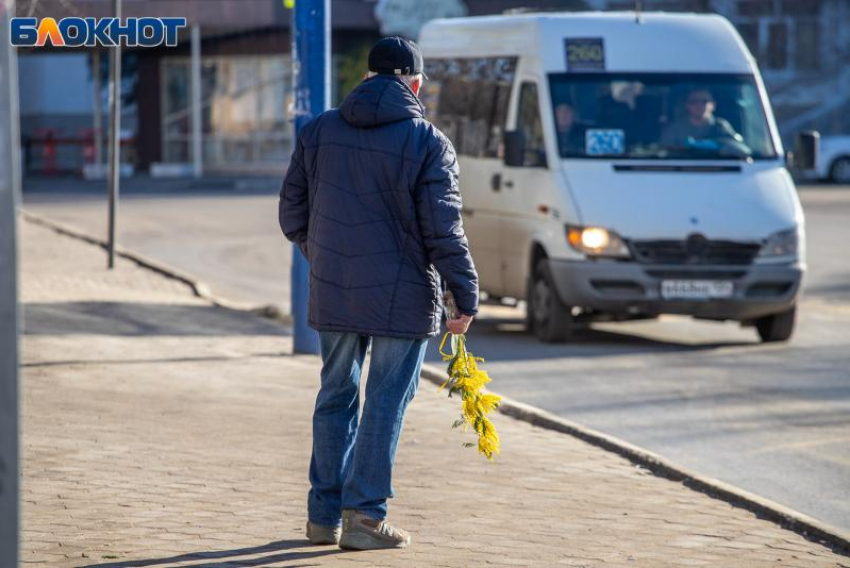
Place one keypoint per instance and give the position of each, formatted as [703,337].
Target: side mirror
[514,142]
[806,149]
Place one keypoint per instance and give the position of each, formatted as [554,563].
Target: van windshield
[659,116]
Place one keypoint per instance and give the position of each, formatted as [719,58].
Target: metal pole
[311,52]
[197,148]
[10,163]
[114,141]
[98,110]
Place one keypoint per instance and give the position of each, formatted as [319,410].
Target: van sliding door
[467,99]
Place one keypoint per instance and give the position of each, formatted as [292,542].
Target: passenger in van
[570,133]
[613,113]
[699,123]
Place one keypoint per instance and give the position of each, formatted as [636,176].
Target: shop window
[755,7]
[801,7]
[750,33]
[807,54]
[777,46]
[243,109]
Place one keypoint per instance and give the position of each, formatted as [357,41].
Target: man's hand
[459,325]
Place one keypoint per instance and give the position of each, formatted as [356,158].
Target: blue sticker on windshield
[599,142]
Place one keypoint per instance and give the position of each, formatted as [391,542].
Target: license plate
[696,289]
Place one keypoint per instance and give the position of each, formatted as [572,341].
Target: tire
[839,171]
[777,327]
[529,318]
[547,317]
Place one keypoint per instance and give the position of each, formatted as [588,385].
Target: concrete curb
[812,529]
[197,286]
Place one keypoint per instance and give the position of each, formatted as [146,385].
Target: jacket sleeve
[438,207]
[294,209]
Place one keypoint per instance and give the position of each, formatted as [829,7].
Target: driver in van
[699,123]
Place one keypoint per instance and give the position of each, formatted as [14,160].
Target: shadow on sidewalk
[506,339]
[141,319]
[218,558]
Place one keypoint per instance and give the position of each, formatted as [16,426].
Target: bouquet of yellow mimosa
[467,380]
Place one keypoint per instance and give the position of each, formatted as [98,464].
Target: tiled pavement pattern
[160,431]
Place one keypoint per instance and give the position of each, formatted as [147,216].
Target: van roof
[660,42]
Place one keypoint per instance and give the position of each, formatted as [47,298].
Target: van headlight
[781,245]
[596,241]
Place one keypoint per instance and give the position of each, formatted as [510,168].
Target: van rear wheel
[777,327]
[549,319]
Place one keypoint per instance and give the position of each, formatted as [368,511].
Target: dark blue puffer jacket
[371,197]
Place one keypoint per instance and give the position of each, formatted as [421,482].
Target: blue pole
[311,52]
[10,160]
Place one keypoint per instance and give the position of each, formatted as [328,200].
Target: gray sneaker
[362,532]
[320,534]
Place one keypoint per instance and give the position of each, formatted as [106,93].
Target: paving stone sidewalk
[161,431]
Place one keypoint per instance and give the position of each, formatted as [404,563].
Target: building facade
[803,48]
[245,86]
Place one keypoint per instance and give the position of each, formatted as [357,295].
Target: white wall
[52,83]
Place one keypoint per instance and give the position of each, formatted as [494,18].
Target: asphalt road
[772,419]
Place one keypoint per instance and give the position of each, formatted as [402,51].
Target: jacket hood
[380,100]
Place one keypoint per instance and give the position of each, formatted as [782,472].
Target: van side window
[529,123]
[467,99]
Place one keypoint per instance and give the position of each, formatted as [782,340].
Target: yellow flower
[483,425]
[474,382]
[488,438]
[489,443]
[465,377]
[489,401]
[470,409]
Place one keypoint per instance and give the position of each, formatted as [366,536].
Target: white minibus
[619,166]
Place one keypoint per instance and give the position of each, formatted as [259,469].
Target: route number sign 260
[586,53]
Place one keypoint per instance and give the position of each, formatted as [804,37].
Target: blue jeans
[351,467]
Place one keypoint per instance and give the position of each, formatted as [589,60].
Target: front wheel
[777,327]
[840,171]
[549,319]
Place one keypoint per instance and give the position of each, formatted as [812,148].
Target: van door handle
[496,182]
[509,183]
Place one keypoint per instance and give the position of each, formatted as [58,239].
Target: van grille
[695,250]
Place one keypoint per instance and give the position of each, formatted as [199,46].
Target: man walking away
[371,197]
